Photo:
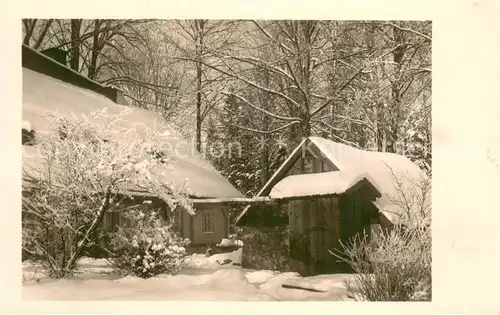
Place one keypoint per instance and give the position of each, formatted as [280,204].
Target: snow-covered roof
[395,174]
[44,96]
[380,168]
[320,184]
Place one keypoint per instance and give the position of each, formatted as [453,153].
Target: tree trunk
[264,164]
[396,86]
[42,34]
[380,116]
[29,25]
[199,69]
[333,107]
[305,128]
[198,106]
[95,50]
[95,224]
[264,100]
[75,49]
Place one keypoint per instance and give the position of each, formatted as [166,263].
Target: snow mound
[33,272]
[328,282]
[92,265]
[230,242]
[217,261]
[277,280]
[231,258]
[260,276]
[198,261]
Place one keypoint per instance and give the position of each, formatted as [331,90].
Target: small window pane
[208,222]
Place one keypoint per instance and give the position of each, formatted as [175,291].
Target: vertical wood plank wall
[318,225]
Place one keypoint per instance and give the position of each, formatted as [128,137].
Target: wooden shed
[329,192]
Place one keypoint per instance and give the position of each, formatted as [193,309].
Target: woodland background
[264,84]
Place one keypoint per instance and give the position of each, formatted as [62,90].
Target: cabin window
[317,167]
[308,165]
[208,222]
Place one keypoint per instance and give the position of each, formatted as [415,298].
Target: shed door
[319,236]
[354,219]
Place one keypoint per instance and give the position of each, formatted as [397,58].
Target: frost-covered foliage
[75,174]
[395,264]
[248,159]
[398,268]
[148,247]
[417,140]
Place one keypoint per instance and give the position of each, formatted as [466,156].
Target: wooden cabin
[52,88]
[327,193]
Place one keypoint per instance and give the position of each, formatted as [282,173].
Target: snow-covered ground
[216,261]
[205,279]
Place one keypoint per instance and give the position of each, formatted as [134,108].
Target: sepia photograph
[226,160]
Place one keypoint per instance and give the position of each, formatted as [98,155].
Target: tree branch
[251,83]
[408,30]
[134,81]
[260,62]
[321,107]
[266,33]
[268,131]
[286,118]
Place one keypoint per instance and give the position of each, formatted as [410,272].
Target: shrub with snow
[397,269]
[147,248]
[395,265]
[76,173]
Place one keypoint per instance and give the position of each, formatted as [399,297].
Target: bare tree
[297,62]
[31,32]
[400,81]
[76,25]
[127,54]
[379,111]
[197,40]
[84,39]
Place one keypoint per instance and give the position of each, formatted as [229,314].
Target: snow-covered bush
[78,171]
[397,269]
[148,247]
[395,264]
